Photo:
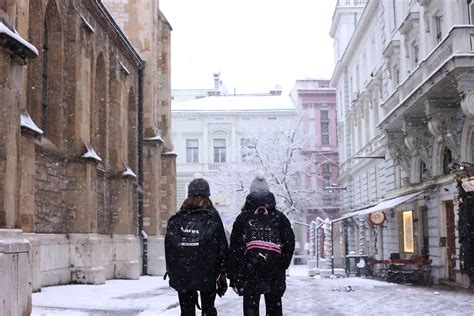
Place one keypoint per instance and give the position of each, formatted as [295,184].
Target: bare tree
[279,152]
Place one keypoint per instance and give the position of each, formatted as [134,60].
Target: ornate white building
[210,132]
[405,80]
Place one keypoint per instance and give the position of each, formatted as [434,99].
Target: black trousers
[188,299]
[272,304]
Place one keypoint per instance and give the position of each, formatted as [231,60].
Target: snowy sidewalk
[304,296]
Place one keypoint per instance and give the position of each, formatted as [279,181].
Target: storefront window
[408,231]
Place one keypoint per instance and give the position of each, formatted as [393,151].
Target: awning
[380,206]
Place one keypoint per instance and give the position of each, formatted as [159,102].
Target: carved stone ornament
[467,103]
[398,151]
[465,83]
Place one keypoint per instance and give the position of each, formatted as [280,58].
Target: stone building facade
[404,81]
[317,101]
[81,154]
[149,31]
[210,135]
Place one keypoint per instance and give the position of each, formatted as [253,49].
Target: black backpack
[190,248]
[262,241]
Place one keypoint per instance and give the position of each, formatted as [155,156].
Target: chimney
[217,81]
[276,90]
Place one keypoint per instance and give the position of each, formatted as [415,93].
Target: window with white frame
[246,148]
[326,183]
[395,75]
[192,151]
[219,150]
[324,115]
[438,23]
[415,51]
[325,133]
[471,13]
[326,168]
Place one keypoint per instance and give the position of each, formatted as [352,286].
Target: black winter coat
[240,272]
[200,275]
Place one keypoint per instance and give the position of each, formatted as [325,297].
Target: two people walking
[198,258]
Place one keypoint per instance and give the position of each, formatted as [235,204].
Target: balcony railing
[457,42]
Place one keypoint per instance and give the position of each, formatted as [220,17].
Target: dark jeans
[187,303]
[272,304]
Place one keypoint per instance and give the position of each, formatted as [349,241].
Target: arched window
[422,171]
[50,111]
[98,113]
[447,160]
[132,130]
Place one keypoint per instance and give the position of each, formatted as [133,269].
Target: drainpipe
[141,230]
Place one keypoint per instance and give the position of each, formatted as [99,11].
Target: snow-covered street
[304,296]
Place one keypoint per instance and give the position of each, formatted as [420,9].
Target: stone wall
[51,215]
[104,214]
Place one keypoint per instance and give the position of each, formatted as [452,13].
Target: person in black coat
[202,269]
[245,277]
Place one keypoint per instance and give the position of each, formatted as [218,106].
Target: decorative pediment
[410,24]
[393,48]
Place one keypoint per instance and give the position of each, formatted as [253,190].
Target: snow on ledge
[128,172]
[157,138]
[4,29]
[90,154]
[27,122]
[171,153]
[87,25]
[124,69]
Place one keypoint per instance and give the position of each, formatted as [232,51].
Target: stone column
[151,190]
[81,197]
[122,206]
[168,188]
[152,168]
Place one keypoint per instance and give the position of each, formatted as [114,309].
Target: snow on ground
[304,296]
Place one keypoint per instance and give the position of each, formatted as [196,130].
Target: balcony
[437,70]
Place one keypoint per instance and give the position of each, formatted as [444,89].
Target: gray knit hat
[199,186]
[259,184]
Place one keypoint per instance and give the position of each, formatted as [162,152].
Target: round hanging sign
[377,218]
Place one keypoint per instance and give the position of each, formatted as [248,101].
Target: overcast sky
[254,44]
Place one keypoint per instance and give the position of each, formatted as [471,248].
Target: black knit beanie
[199,186]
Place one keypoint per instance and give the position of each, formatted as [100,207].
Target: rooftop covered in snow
[238,103]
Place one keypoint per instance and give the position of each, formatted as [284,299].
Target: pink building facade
[318,103]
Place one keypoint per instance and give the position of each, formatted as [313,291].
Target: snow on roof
[251,103]
[91,154]
[128,172]
[13,34]
[27,122]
